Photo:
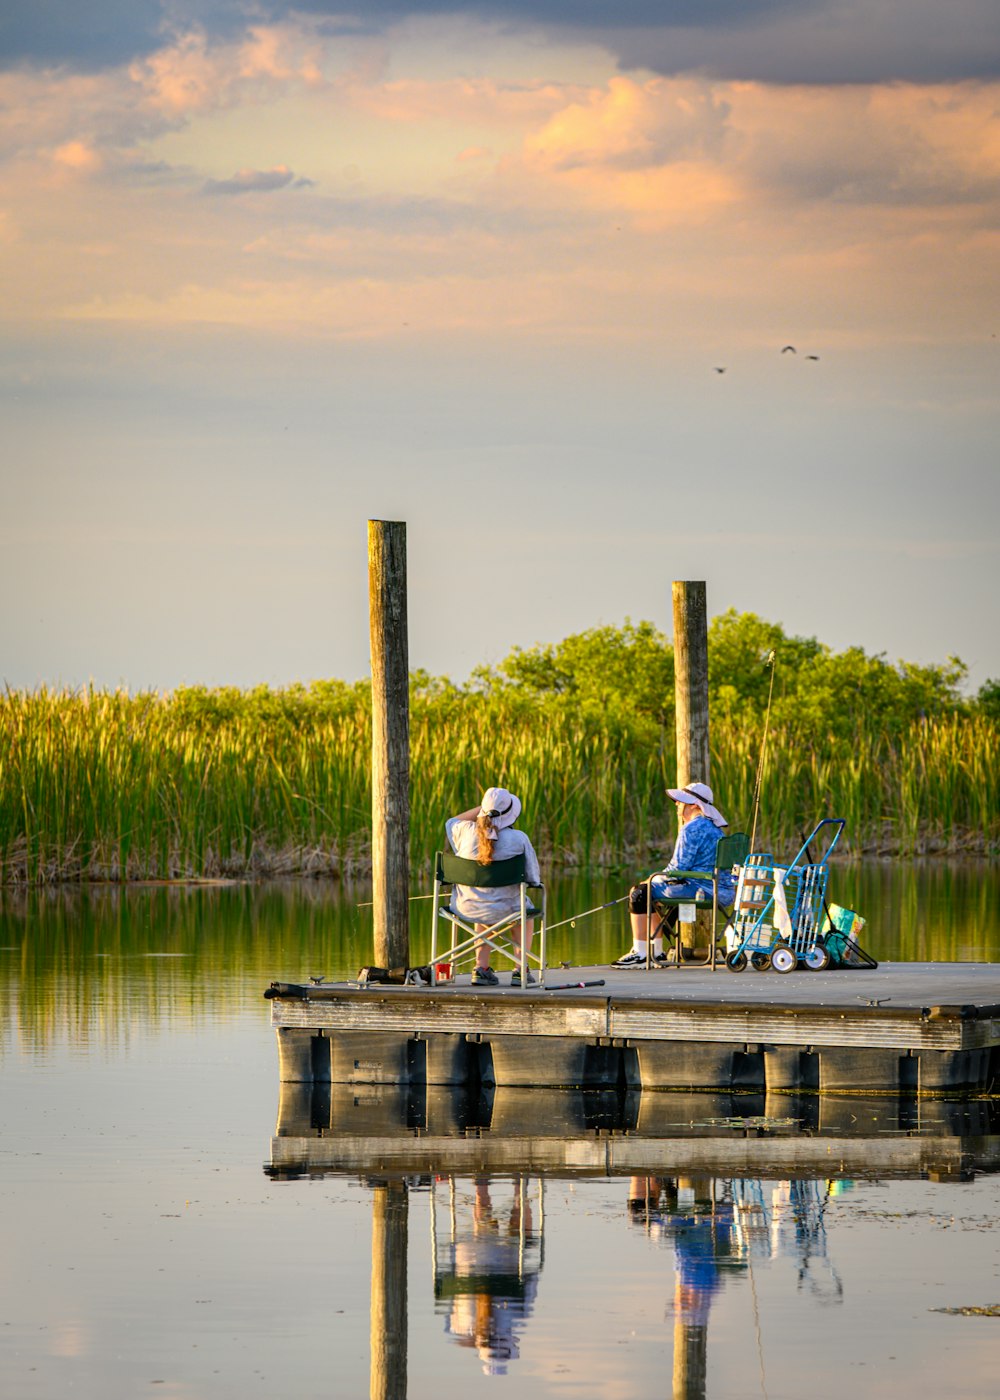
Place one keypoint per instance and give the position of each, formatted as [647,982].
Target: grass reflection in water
[84,964]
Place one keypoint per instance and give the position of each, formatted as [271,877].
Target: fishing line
[763,750]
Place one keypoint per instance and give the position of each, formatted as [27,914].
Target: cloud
[678,141]
[257,182]
[631,126]
[784,41]
[592,201]
[77,155]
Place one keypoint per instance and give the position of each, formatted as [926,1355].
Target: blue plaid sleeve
[695,849]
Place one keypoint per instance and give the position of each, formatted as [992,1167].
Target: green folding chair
[730,853]
[451,870]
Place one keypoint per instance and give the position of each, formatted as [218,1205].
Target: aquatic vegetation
[107,785]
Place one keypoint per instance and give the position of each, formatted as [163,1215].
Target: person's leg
[482,949]
[640,921]
[529,931]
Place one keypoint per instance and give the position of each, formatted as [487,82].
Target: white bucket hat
[501,806]
[701,794]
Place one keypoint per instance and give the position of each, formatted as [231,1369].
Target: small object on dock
[382,975]
[318,981]
[571,986]
[875,1001]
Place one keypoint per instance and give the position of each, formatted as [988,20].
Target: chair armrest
[688,874]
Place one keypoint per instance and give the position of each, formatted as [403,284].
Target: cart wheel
[761,961]
[782,958]
[736,962]
[818,958]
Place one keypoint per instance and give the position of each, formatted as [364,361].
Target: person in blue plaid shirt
[701,828]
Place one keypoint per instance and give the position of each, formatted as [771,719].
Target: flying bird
[812,357]
[785,349]
[720,369]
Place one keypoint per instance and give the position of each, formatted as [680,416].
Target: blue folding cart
[779,914]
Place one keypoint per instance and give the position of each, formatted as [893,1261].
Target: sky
[522,275]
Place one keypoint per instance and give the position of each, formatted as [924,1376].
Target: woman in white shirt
[486,833]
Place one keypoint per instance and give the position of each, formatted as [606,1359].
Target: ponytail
[486,834]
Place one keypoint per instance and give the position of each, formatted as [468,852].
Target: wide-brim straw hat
[501,806]
[701,794]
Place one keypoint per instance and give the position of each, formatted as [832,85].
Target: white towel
[782,919]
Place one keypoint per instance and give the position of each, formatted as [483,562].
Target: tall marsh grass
[100,785]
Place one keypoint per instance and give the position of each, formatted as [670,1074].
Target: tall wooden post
[390,741]
[691,682]
[390,1238]
[691,696]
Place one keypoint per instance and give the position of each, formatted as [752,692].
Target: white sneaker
[632,959]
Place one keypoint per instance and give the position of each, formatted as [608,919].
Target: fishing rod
[763,749]
[369,903]
[596,910]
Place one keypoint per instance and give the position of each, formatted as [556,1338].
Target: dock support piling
[691,682]
[691,702]
[390,741]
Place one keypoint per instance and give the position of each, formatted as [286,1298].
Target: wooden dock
[907,1029]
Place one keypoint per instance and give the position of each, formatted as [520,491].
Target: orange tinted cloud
[848,201]
[77,155]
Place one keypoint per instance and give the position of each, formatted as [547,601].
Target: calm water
[162,1239]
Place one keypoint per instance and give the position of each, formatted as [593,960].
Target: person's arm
[449,829]
[532,870]
[469,816]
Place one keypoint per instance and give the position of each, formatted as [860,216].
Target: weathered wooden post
[390,1238]
[691,682]
[390,741]
[691,699]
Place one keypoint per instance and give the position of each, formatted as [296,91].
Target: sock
[658,946]
[639,946]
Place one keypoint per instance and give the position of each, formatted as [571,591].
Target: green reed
[101,785]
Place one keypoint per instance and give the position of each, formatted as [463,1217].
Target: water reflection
[718,1230]
[87,965]
[487,1257]
[485,1161]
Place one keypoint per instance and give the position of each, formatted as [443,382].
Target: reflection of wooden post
[389,1301]
[691,682]
[690,1360]
[390,741]
[691,693]
[691,1316]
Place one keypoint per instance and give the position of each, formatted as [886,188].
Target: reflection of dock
[905,1028]
[390,1130]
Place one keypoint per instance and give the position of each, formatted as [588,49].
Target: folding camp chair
[731,852]
[451,870]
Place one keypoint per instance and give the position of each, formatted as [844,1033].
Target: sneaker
[662,959]
[515,978]
[485,977]
[632,959]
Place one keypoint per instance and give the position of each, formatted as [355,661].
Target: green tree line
[99,784]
